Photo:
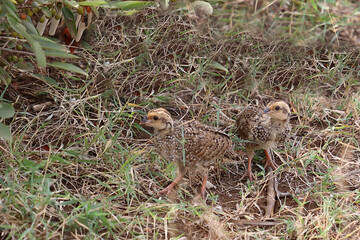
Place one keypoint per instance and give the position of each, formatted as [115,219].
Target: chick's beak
[144,120]
[267,110]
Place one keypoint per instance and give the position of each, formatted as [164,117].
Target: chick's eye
[277,108]
[156,118]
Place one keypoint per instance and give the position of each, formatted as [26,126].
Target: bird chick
[192,145]
[263,129]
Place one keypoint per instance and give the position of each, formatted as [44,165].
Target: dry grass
[81,166]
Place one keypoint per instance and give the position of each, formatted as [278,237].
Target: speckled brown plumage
[264,129]
[192,145]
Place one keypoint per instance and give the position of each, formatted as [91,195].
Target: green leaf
[47,43]
[46,79]
[69,20]
[98,3]
[27,66]
[313,3]
[39,53]
[95,11]
[5,132]
[73,4]
[28,164]
[35,46]
[9,4]
[46,12]
[68,14]
[218,66]
[68,67]
[15,23]
[29,26]
[2,12]
[4,76]
[6,110]
[128,5]
[129,12]
[55,53]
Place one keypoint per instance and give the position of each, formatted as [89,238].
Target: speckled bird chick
[192,145]
[264,129]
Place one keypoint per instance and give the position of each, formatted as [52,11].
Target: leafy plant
[6,111]
[22,24]
[23,46]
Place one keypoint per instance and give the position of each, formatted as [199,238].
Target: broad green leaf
[98,3]
[46,12]
[128,5]
[68,14]
[4,76]
[55,53]
[47,43]
[29,26]
[69,20]
[39,53]
[15,23]
[2,12]
[6,110]
[130,12]
[13,14]
[95,11]
[73,4]
[46,79]
[10,5]
[5,132]
[24,66]
[35,46]
[86,45]
[68,67]
[218,66]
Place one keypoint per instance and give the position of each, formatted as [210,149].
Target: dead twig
[255,222]
[16,51]
[269,210]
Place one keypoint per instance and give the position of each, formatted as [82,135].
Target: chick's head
[278,110]
[159,119]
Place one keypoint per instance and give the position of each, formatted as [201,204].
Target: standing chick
[264,129]
[192,145]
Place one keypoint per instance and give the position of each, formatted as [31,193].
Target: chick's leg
[269,161]
[180,175]
[248,173]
